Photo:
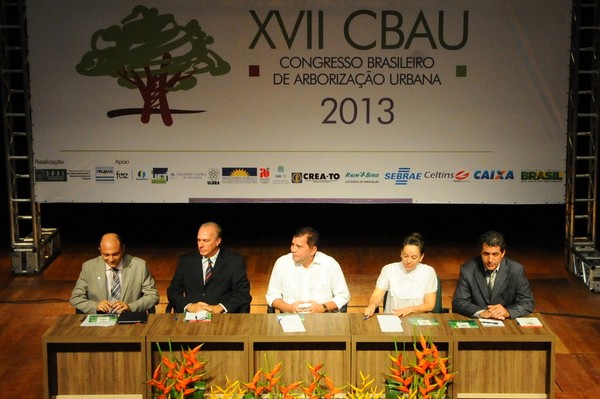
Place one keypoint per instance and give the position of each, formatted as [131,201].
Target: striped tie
[209,269]
[115,290]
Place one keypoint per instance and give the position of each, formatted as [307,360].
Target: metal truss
[33,247]
[583,257]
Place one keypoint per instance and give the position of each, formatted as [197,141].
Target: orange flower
[315,370]
[252,385]
[276,369]
[177,377]
[286,390]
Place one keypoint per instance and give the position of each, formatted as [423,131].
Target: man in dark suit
[114,282]
[212,278]
[491,286]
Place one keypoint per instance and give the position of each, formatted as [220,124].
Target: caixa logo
[494,174]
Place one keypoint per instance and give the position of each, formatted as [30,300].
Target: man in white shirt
[307,280]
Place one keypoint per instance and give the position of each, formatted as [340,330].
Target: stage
[361,241]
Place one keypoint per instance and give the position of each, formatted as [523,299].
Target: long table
[492,362]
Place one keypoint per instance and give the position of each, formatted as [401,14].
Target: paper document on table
[529,322]
[202,315]
[389,323]
[291,323]
[100,320]
[491,323]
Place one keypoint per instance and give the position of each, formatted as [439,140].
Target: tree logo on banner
[155,55]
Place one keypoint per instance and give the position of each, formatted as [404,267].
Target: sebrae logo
[154,55]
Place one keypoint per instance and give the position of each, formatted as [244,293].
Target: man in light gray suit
[114,282]
[491,286]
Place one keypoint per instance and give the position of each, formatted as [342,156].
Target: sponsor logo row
[254,175]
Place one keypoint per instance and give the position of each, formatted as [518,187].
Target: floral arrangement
[267,383]
[427,378]
[179,377]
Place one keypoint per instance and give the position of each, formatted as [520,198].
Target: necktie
[492,277]
[209,269]
[115,291]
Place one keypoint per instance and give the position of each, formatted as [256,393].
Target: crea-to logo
[535,175]
[494,174]
[402,176]
[461,175]
[315,177]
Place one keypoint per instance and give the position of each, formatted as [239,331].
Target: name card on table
[389,323]
[291,323]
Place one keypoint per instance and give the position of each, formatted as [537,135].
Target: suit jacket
[511,289]
[228,285]
[137,285]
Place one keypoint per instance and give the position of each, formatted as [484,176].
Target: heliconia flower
[272,383]
[311,388]
[156,372]
[315,370]
[441,382]
[286,390]
[423,341]
[170,365]
[404,389]
[269,376]
[189,391]
[196,349]
[399,379]
[426,390]
[396,360]
[252,384]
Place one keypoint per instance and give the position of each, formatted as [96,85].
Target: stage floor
[30,304]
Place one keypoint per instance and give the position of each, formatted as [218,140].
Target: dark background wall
[354,224]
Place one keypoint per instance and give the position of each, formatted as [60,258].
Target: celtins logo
[402,176]
[461,175]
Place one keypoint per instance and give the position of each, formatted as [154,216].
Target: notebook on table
[132,317]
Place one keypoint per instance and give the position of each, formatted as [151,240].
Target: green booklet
[463,324]
[423,321]
[100,320]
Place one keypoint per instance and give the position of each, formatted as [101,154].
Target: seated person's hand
[120,306]
[402,312]
[305,307]
[498,312]
[198,307]
[104,307]
[369,311]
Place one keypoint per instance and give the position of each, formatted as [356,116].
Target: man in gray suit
[491,286]
[114,282]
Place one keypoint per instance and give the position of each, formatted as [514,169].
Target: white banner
[423,101]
